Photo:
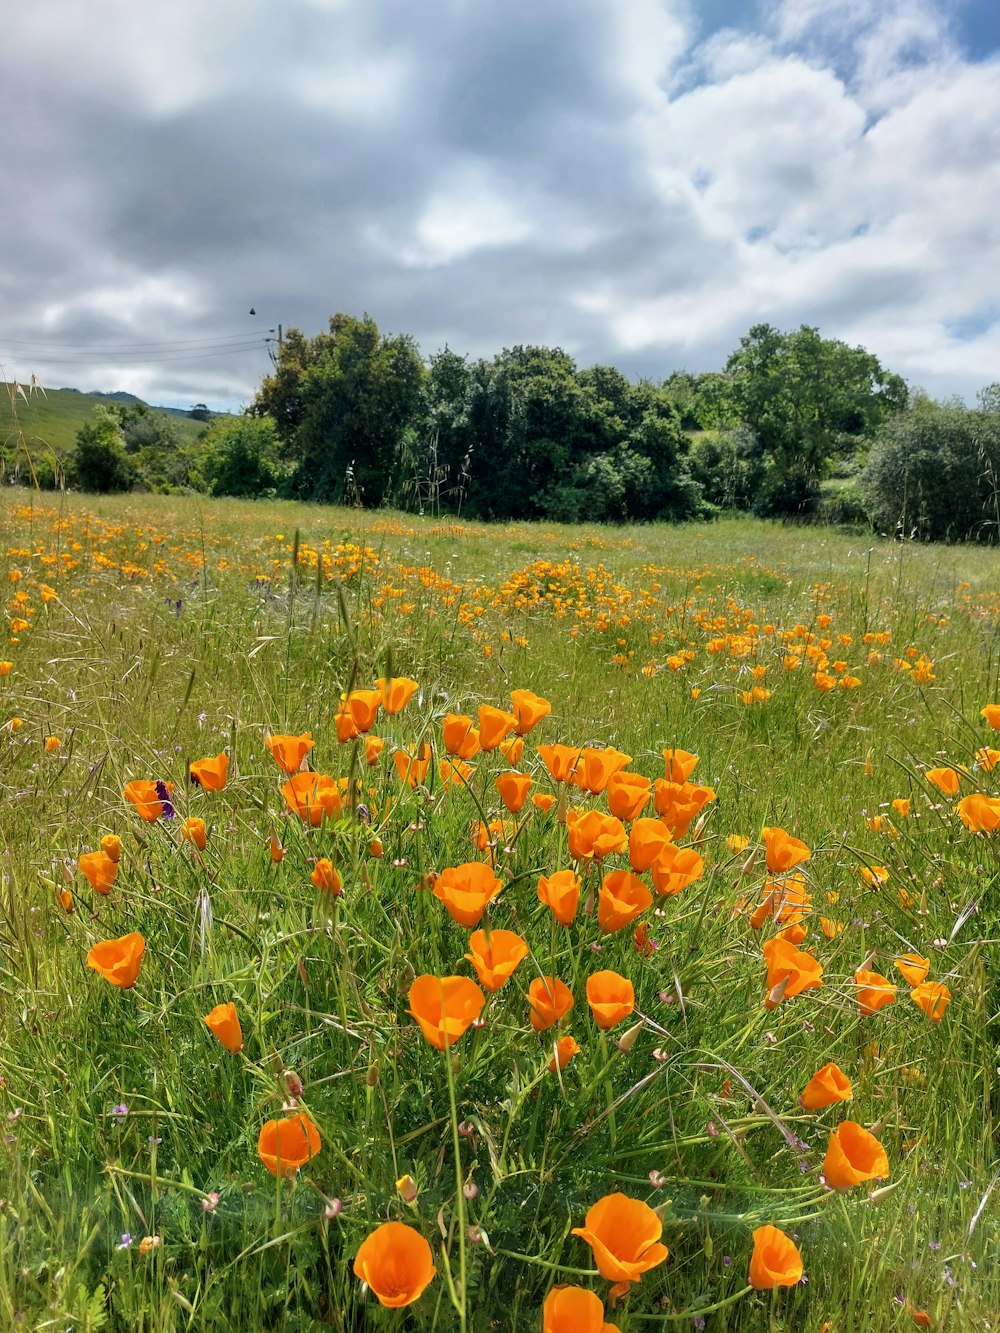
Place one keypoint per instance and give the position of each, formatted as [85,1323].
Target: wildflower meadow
[413,924]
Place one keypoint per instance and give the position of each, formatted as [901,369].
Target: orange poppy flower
[574,1310]
[66,901]
[560,891]
[624,1235]
[622,898]
[496,959]
[210,773]
[445,1007]
[875,876]
[560,760]
[118,961]
[224,1023]
[543,800]
[456,773]
[289,751]
[344,724]
[675,868]
[52,743]
[678,803]
[594,768]
[874,990]
[775,1261]
[146,797]
[495,725]
[327,878]
[992,715]
[979,813]
[790,971]
[277,852]
[913,967]
[193,831]
[460,737]
[487,835]
[99,870]
[564,1050]
[374,746]
[611,998]
[512,749]
[465,890]
[287,1144]
[853,1156]
[782,852]
[550,1000]
[628,795]
[396,1263]
[646,840]
[413,769]
[396,693]
[312,796]
[363,706]
[945,779]
[680,764]
[528,710]
[902,807]
[827,1086]
[933,997]
[111,845]
[987,758]
[513,788]
[593,836]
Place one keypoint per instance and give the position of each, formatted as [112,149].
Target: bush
[241,457]
[99,462]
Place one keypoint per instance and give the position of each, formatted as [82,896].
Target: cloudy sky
[636,181]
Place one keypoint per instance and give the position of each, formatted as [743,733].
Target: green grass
[47,423]
[183,627]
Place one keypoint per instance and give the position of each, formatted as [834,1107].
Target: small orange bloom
[312,796]
[595,768]
[495,725]
[496,959]
[52,743]
[224,1023]
[289,751]
[550,1000]
[979,813]
[902,807]
[565,1049]
[99,869]
[326,877]
[628,794]
[678,804]
[782,852]
[363,706]
[528,710]
[543,800]
[396,693]
[680,764]
[287,1144]
[445,1007]
[465,890]
[512,749]
[513,788]
[775,1261]
[675,868]
[624,1235]
[111,845]
[413,769]
[992,715]
[573,1309]
[790,971]
[987,758]
[913,967]
[193,831]
[396,1263]
[945,779]
[622,898]
[853,1156]
[560,891]
[277,852]
[611,998]
[827,1086]
[374,746]
[210,773]
[875,876]
[560,760]
[145,796]
[592,836]
[459,735]
[646,840]
[874,991]
[118,961]
[933,997]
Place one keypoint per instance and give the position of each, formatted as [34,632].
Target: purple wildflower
[163,796]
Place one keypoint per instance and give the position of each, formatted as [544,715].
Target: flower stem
[459,1194]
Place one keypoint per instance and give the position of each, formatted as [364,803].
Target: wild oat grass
[155,633]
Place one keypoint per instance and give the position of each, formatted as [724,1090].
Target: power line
[135,357]
[134,346]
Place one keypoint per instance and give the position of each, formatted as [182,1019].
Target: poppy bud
[627,1040]
[375,848]
[293,1084]
[407,1189]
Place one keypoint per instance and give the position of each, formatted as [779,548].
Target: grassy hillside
[51,421]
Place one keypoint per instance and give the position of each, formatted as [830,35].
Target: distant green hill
[51,421]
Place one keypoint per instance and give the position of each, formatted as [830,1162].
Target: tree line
[794,425]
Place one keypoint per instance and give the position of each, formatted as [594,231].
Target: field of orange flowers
[417,925]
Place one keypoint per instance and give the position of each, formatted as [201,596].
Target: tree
[242,457]
[343,401]
[806,398]
[200,412]
[99,462]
